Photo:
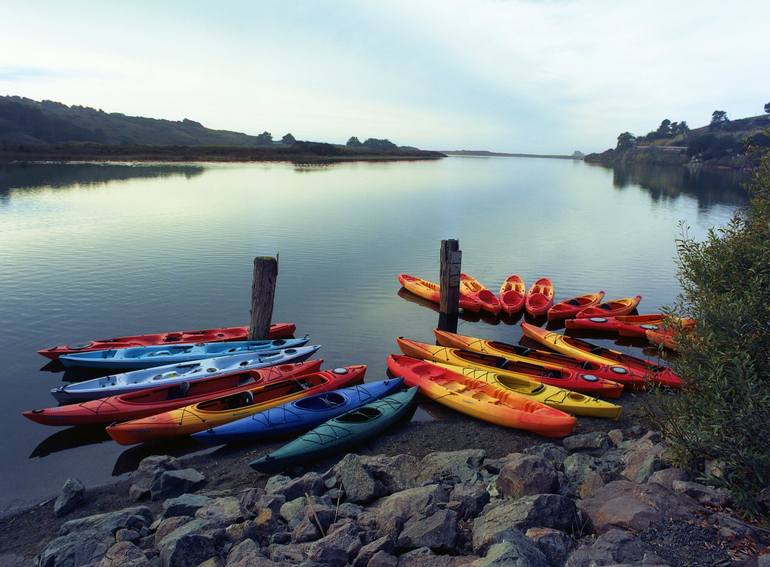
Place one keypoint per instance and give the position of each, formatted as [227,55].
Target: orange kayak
[471,287]
[571,307]
[512,294]
[539,298]
[224,409]
[631,371]
[432,292]
[611,308]
[481,400]
[665,338]
[534,370]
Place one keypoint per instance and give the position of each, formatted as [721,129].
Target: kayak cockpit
[323,402]
[363,415]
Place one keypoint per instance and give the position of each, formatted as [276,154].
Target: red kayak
[471,287]
[570,307]
[277,331]
[625,325]
[539,297]
[149,402]
[512,294]
[612,308]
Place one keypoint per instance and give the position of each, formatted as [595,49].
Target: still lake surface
[99,250]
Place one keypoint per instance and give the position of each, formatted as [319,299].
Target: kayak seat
[179,391]
[322,402]
[573,302]
[361,415]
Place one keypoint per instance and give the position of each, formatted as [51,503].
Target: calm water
[93,251]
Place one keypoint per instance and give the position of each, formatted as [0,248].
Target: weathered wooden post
[449,281]
[262,296]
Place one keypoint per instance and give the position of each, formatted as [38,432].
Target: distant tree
[288,139]
[683,128]
[353,142]
[767,107]
[664,130]
[718,117]
[379,144]
[625,141]
[264,139]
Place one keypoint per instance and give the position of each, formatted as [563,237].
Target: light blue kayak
[171,374]
[340,433]
[149,356]
[299,415]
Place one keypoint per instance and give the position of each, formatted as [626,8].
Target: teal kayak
[341,433]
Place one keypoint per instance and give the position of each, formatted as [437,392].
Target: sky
[549,76]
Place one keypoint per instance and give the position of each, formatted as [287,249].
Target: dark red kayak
[277,331]
[149,402]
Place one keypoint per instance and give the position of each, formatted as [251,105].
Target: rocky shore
[603,497]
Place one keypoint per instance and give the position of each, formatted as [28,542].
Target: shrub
[722,414]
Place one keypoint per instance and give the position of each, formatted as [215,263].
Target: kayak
[571,307]
[559,398]
[631,371]
[535,371]
[611,308]
[299,415]
[171,374]
[483,400]
[539,298]
[665,338]
[512,294]
[277,331]
[471,287]
[224,409]
[533,356]
[143,403]
[133,358]
[626,325]
[432,292]
[340,433]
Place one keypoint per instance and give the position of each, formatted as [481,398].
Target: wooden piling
[262,296]
[449,281]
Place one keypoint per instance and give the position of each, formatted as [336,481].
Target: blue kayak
[299,415]
[134,358]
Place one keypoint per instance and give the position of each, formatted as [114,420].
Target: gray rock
[540,510]
[405,504]
[305,531]
[763,560]
[358,483]
[190,544]
[223,511]
[550,452]
[184,505]
[643,461]
[168,525]
[71,496]
[595,443]
[451,466]
[424,557]
[514,551]
[253,501]
[615,436]
[84,541]
[382,559]
[339,546]
[554,544]
[349,510]
[383,545]
[613,547]
[148,470]
[124,534]
[437,531]
[702,493]
[291,488]
[666,477]
[171,483]
[526,474]
[468,500]
[293,511]
[244,554]
[124,554]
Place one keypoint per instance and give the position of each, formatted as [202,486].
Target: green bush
[722,416]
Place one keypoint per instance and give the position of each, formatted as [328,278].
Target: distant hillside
[723,143]
[487,153]
[51,130]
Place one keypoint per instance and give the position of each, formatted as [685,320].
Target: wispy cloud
[25,73]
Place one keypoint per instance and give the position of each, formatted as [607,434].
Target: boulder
[702,493]
[71,496]
[253,501]
[595,443]
[391,473]
[382,559]
[554,544]
[125,534]
[288,554]
[405,504]
[451,466]
[384,545]
[148,470]
[293,511]
[168,525]
[515,550]
[171,483]
[349,510]
[84,541]
[437,531]
[613,547]
[291,488]
[643,461]
[615,436]
[540,510]
[184,505]
[626,505]
[666,477]
[424,557]
[468,500]
[244,554]
[526,474]
[339,546]
[223,511]
[550,452]
[190,544]
[359,485]
[124,554]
